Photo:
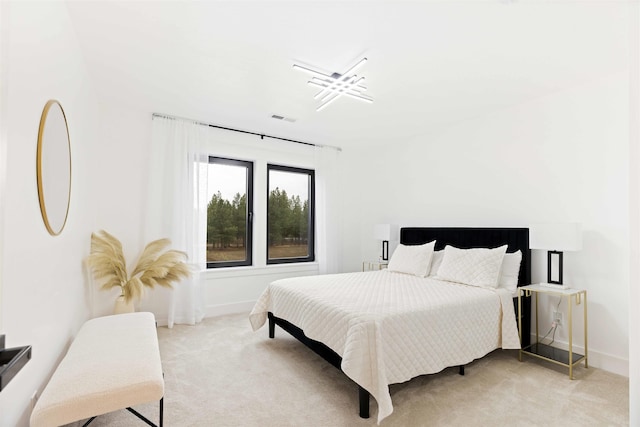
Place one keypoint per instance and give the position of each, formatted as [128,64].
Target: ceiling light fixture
[336,85]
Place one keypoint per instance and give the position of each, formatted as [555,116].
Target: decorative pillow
[475,267]
[436,260]
[412,259]
[509,271]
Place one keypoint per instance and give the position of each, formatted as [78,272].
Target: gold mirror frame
[53,167]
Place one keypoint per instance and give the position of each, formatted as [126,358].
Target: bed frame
[464,238]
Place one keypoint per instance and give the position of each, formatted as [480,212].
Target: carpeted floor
[220,373]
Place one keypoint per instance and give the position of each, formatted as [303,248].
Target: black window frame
[312,214]
[249,224]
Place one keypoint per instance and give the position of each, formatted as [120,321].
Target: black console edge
[12,360]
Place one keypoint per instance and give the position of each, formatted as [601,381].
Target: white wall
[4,59]
[557,158]
[634,213]
[44,288]
[120,187]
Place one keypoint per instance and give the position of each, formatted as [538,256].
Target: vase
[122,306]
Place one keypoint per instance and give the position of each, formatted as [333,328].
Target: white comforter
[390,327]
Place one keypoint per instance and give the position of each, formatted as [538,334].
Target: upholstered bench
[113,363]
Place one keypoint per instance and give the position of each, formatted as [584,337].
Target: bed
[386,327]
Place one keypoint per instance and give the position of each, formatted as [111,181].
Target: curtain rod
[261,135]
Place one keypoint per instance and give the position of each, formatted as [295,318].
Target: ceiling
[430,63]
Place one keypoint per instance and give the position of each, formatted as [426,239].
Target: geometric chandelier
[336,85]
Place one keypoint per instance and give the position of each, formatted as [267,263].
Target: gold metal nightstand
[547,352]
[374,265]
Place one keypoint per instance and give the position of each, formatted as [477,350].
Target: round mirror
[53,165]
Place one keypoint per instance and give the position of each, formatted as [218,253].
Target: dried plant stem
[156,265]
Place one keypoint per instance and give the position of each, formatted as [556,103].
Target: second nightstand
[374,265]
[545,351]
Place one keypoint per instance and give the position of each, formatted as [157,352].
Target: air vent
[286,119]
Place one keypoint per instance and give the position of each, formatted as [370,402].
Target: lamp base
[559,286]
[385,250]
[556,278]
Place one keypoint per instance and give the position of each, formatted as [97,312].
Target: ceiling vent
[286,119]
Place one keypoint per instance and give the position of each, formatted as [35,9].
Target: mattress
[390,327]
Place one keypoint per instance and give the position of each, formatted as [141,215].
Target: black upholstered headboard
[466,238]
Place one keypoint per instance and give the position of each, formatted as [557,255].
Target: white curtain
[177,209]
[328,207]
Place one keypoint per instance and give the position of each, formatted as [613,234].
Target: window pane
[228,210]
[290,226]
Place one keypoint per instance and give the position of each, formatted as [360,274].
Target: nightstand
[374,265]
[566,358]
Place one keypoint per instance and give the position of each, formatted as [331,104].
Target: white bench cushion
[113,363]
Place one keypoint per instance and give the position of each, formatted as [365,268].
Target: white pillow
[475,267]
[414,259]
[509,271]
[436,260]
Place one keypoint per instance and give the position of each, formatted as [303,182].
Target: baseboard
[597,359]
[213,311]
[222,309]
[162,321]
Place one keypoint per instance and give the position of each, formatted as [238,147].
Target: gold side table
[556,355]
[374,265]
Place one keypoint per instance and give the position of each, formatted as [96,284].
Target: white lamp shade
[556,236]
[384,232]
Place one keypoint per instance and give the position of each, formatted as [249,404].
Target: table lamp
[384,232]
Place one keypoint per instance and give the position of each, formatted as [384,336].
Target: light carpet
[221,373]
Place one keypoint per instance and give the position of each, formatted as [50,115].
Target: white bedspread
[391,327]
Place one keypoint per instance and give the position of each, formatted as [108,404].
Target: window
[229,212]
[290,214]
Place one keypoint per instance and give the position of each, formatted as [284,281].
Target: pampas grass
[156,265]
